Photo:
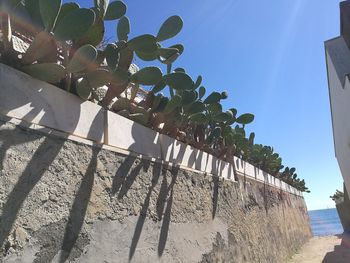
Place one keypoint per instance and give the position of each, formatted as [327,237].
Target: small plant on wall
[67,48]
[338,196]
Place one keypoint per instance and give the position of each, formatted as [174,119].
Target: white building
[338,71]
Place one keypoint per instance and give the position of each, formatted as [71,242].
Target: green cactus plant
[147,76]
[49,72]
[214,97]
[74,24]
[43,48]
[115,10]
[49,11]
[82,58]
[123,29]
[170,28]
[178,81]
[66,50]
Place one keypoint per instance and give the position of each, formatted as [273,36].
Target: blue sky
[269,56]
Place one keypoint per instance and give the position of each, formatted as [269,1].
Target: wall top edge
[254,172]
[329,41]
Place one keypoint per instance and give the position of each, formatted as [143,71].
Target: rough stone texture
[64,201]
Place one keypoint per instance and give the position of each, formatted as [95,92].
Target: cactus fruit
[234,111]
[224,95]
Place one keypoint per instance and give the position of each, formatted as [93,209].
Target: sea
[325,222]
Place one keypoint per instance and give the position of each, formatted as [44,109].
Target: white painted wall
[34,101]
[338,67]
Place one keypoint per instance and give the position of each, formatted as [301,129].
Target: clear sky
[269,55]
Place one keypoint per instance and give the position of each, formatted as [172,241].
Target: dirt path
[330,249]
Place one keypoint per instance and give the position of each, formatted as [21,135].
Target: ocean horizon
[325,222]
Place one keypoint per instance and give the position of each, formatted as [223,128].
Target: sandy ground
[330,249]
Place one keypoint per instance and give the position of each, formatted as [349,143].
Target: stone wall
[61,200]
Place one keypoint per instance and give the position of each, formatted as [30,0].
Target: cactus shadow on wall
[215,195]
[216,185]
[127,171]
[10,140]
[127,174]
[163,237]
[35,169]
[79,208]
[157,170]
[175,151]
[82,198]
[164,206]
[40,162]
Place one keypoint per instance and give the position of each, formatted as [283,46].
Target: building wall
[338,68]
[65,201]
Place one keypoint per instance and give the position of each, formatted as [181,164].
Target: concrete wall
[61,200]
[338,68]
[40,103]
